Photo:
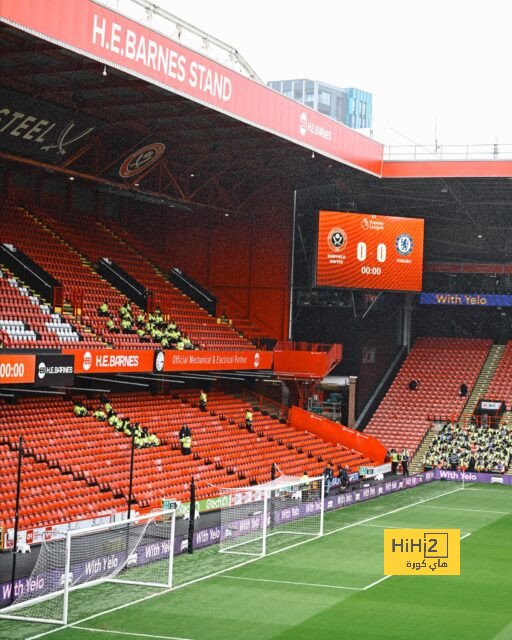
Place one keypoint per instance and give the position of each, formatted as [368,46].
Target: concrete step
[484,379]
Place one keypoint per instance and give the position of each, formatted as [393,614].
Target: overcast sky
[448,59]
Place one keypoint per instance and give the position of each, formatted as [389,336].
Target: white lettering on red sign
[159,57]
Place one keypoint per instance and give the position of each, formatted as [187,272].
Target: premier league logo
[404,244]
[337,239]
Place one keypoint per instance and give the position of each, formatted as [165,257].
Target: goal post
[138,551]
[260,519]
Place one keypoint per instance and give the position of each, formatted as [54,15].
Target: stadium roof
[201,135]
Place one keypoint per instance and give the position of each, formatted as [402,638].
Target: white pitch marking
[127,633]
[504,490]
[216,573]
[428,506]
[301,584]
[369,586]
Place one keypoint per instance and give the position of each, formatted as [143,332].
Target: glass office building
[351,106]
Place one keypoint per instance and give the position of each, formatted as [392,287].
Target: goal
[138,551]
[264,518]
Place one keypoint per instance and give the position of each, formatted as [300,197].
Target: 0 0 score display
[369,251]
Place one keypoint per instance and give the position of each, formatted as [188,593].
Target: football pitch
[323,588]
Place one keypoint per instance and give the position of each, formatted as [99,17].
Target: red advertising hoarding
[17,369]
[100,33]
[145,361]
[216,360]
[369,251]
[112,361]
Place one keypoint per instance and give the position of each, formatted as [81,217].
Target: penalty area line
[127,633]
[300,584]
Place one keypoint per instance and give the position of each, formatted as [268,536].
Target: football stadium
[255,367]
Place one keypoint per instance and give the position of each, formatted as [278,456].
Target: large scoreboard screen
[364,251]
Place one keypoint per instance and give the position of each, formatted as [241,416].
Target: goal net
[260,519]
[138,551]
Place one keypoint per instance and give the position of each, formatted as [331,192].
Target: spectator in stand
[111,326]
[248,421]
[80,410]
[125,309]
[413,384]
[203,399]
[126,325]
[463,390]
[184,433]
[187,342]
[103,309]
[99,414]
[186,445]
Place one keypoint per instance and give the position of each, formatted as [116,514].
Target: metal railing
[496,151]
[153,15]
[267,404]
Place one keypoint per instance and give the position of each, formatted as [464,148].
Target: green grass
[257,601]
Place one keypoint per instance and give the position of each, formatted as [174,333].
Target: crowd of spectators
[477,448]
[105,412]
[150,327]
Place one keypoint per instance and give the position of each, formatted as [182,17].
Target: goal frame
[70,535]
[266,530]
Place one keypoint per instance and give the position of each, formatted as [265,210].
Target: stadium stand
[95,240]
[439,365]
[163,263]
[26,321]
[97,457]
[25,231]
[500,387]
[471,447]
[48,496]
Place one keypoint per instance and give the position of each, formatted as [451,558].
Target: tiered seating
[22,230]
[241,324]
[98,458]
[440,365]
[25,321]
[501,383]
[47,496]
[96,241]
[219,439]
[248,328]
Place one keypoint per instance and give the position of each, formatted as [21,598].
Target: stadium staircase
[417,460]
[440,365]
[28,321]
[483,381]
[500,387]
[478,392]
[90,459]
